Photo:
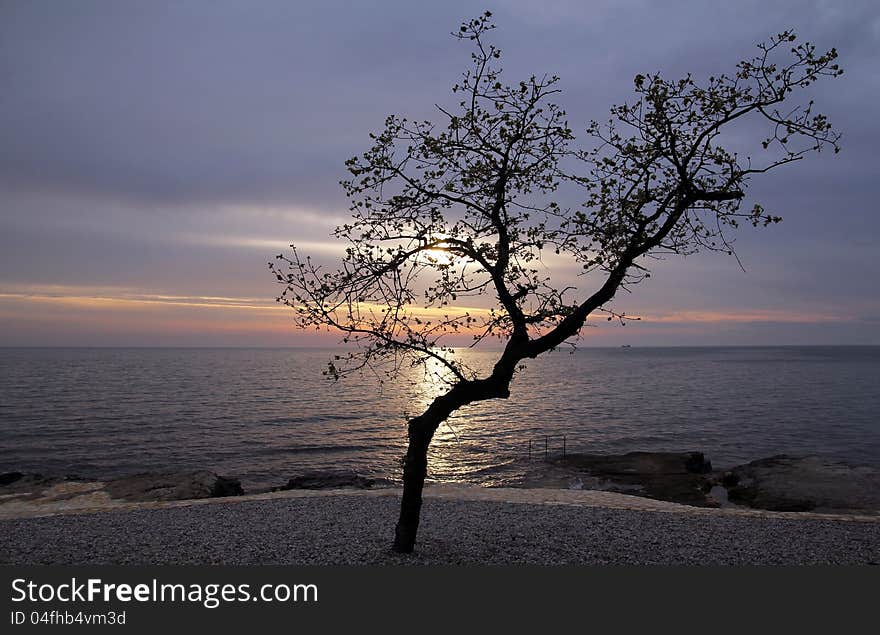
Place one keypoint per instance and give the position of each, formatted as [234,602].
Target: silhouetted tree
[446,211]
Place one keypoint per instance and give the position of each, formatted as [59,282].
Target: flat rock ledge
[333,479]
[781,483]
[789,483]
[680,477]
[173,486]
[26,491]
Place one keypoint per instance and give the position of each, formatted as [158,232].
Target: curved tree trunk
[415,466]
[415,469]
[421,430]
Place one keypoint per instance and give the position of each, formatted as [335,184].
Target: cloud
[745,317]
[173,148]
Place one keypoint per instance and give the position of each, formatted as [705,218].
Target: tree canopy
[444,211]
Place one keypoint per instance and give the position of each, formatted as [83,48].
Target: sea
[265,415]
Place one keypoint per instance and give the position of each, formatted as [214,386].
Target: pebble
[357,530]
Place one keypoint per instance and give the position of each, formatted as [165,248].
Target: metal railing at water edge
[553,447]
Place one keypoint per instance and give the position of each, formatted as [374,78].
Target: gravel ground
[357,530]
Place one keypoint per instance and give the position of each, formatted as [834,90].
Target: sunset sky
[155,155]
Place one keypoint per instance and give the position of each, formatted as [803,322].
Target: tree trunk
[415,469]
[421,431]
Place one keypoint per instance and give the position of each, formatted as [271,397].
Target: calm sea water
[264,415]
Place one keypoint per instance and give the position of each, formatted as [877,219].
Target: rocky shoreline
[27,493]
[778,483]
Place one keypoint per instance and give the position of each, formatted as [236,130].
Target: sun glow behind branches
[441,257]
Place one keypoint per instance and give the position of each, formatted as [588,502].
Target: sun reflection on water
[454,451]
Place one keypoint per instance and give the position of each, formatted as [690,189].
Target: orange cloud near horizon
[75,312]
